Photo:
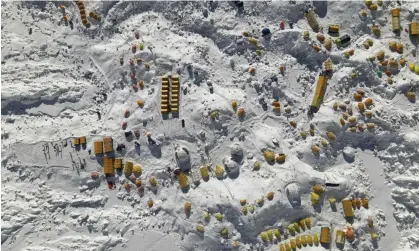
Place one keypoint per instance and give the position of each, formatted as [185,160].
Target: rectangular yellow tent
[325,235]
[83,140]
[340,237]
[98,147]
[107,165]
[319,93]
[347,208]
[118,163]
[414,29]
[108,144]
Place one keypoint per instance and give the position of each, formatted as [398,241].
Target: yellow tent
[118,163]
[83,140]
[108,144]
[347,208]
[107,165]
[311,19]
[98,145]
[414,29]
[128,167]
[340,237]
[319,93]
[183,180]
[395,19]
[204,173]
[325,235]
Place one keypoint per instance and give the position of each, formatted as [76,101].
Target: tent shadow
[350,219]
[154,189]
[138,150]
[375,244]
[99,159]
[140,191]
[233,175]
[320,8]
[333,207]
[325,245]
[186,189]
[111,154]
[201,235]
[130,137]
[414,40]
[184,166]
[155,151]
[270,162]
[412,101]
[317,208]
[197,183]
[340,246]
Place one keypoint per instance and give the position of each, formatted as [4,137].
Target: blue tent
[266,31]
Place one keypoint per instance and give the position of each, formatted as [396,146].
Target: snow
[382,198]
[65,80]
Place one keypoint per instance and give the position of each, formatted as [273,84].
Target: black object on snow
[332,185]
[266,31]
[30,31]
[345,39]
[239,4]
[137,144]
[128,134]
[151,141]
[177,171]
[119,147]
[291,25]
[183,123]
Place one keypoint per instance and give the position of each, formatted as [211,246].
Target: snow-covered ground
[61,80]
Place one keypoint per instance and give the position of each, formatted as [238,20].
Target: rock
[202,134]
[231,166]
[236,151]
[183,157]
[293,194]
[349,154]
